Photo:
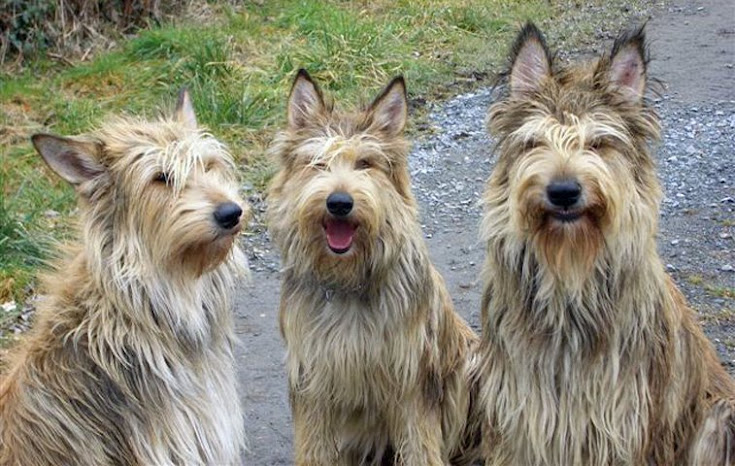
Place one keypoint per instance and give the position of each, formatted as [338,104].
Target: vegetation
[238,61]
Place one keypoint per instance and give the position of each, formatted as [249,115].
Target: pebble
[9,306]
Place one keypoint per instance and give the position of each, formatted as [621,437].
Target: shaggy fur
[590,355]
[377,358]
[130,359]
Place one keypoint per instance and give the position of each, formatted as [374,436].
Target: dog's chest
[558,412]
[347,349]
[199,421]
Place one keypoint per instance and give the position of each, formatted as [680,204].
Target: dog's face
[574,173]
[163,191]
[341,199]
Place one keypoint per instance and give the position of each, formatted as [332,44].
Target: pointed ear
[530,61]
[184,112]
[304,101]
[628,63]
[73,160]
[390,109]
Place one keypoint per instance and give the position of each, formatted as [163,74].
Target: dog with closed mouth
[589,353]
[130,357]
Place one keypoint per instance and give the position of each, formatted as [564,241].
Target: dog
[589,353]
[130,358]
[378,361]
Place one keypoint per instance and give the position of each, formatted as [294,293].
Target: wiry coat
[590,355]
[377,360]
[130,359]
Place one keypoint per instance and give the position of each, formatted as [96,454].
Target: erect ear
[390,109]
[74,160]
[304,101]
[184,112]
[628,62]
[530,61]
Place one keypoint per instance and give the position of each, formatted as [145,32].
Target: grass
[238,62]
[713,290]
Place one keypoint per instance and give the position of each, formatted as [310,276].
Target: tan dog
[590,354]
[130,358]
[377,357]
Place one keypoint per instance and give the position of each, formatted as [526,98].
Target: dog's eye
[596,144]
[529,144]
[322,166]
[363,164]
[162,178]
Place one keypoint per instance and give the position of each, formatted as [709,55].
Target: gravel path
[693,46]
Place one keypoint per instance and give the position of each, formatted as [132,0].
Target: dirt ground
[693,50]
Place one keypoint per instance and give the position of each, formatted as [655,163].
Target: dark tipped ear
[73,160]
[628,63]
[304,101]
[530,61]
[390,109]
[184,112]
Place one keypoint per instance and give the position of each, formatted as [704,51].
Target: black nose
[564,193]
[339,204]
[227,214]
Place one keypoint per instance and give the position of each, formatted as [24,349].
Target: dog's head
[153,194]
[574,173]
[341,202]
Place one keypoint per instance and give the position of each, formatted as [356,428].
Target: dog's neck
[525,302]
[182,307]
[407,274]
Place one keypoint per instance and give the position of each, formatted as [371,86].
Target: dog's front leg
[314,438]
[419,438]
[715,441]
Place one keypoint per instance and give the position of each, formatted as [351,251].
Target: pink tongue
[339,234]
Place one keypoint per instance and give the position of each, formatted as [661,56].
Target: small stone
[670,268]
[429,235]
[674,242]
[51,214]
[9,306]
[725,235]
[727,268]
